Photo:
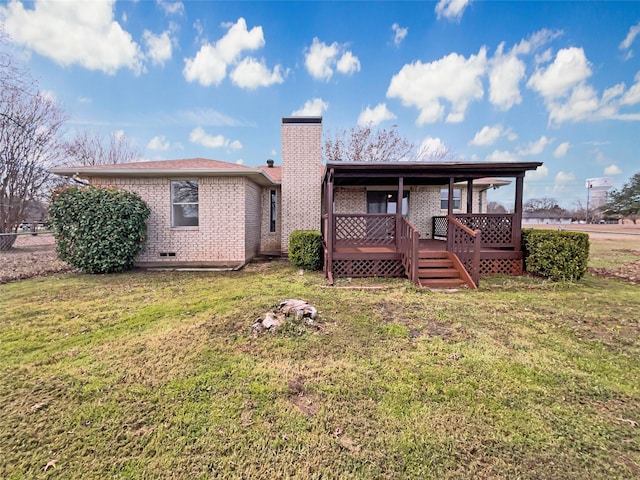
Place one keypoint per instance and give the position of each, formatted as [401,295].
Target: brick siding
[301,178]
[222,237]
[270,241]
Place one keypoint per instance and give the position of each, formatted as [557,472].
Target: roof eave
[258,175]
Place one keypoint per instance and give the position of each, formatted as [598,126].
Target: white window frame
[174,203]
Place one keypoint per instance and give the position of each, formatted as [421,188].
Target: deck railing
[409,237]
[465,243]
[497,228]
[356,230]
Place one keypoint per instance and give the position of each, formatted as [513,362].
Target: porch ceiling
[371,173]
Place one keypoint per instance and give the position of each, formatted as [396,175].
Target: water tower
[597,189]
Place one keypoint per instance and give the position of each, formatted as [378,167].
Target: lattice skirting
[368,268]
[505,266]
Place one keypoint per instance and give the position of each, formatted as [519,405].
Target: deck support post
[470,196]
[516,228]
[330,235]
[399,211]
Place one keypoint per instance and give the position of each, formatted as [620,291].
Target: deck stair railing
[409,237]
[465,243]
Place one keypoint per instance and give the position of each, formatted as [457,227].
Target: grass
[159,375]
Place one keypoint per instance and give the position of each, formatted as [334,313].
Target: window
[273,212]
[379,201]
[444,198]
[184,203]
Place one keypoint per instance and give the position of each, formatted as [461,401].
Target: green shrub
[305,249]
[98,230]
[555,254]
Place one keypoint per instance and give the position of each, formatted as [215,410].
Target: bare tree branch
[364,144]
[30,124]
[90,148]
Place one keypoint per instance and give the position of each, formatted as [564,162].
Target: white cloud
[69,33]
[251,74]
[171,8]
[453,78]
[48,95]
[311,108]
[562,178]
[632,96]
[569,69]
[376,115]
[562,149]
[432,147]
[400,33]
[209,66]
[321,59]
[159,47]
[159,142]
[501,156]
[538,174]
[486,136]
[534,148]
[506,73]
[568,97]
[612,169]
[536,41]
[199,136]
[348,64]
[451,9]
[629,39]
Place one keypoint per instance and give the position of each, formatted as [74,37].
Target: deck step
[435,263]
[432,254]
[438,273]
[442,282]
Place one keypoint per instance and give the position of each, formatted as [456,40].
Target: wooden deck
[425,244]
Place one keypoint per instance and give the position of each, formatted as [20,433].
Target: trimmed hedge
[305,249]
[557,255]
[98,230]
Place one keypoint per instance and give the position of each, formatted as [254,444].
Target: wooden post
[399,211]
[516,228]
[477,243]
[330,224]
[450,197]
[470,196]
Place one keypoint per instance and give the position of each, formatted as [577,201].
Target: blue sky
[557,82]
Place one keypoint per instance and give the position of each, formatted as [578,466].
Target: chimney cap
[302,120]
[270,163]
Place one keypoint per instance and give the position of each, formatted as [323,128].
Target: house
[208,212]
[545,218]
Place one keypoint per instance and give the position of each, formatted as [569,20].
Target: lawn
[160,375]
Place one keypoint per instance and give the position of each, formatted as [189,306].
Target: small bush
[305,249]
[555,254]
[98,230]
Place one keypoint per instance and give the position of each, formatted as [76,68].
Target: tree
[495,207]
[365,144]
[543,205]
[30,125]
[90,148]
[626,201]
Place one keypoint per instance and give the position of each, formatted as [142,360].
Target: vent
[167,254]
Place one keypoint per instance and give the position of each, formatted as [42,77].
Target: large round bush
[98,230]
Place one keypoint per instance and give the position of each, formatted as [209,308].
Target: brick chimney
[301,175]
